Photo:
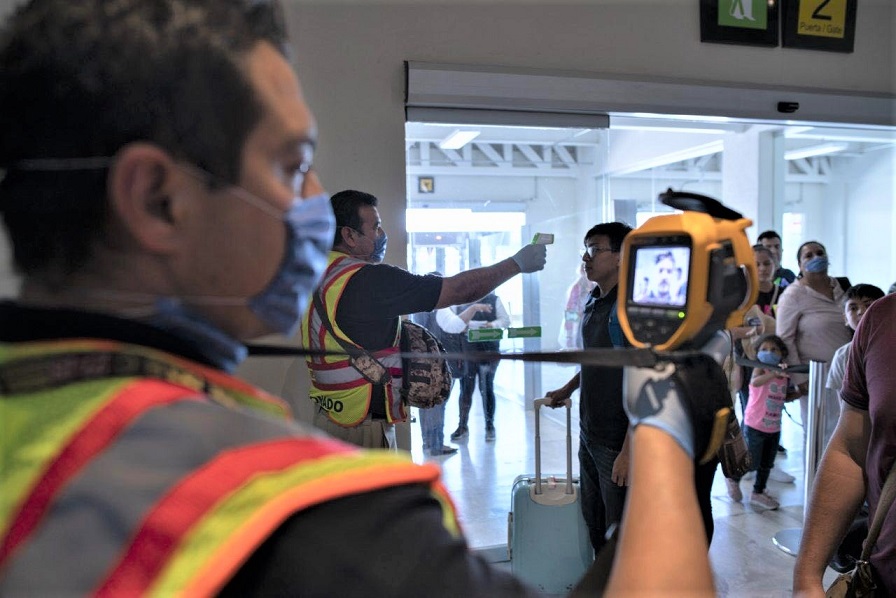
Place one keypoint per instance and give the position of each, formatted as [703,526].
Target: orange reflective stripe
[94,436]
[161,530]
[223,564]
[246,492]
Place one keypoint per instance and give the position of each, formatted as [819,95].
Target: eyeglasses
[592,250]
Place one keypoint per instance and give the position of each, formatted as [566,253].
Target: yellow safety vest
[127,471]
[336,386]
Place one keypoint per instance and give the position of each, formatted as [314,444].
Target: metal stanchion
[788,539]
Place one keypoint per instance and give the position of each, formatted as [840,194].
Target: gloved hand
[688,399]
[531,258]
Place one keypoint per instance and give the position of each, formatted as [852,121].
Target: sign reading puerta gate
[828,25]
[820,24]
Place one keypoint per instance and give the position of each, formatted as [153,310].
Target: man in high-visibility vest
[158,194]
[361,301]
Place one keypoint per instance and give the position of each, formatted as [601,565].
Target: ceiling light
[458,139]
[815,150]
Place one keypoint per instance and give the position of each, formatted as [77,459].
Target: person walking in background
[448,328]
[493,316]
[810,321]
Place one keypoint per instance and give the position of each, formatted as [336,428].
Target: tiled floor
[745,560]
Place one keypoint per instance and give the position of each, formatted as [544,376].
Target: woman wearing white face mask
[810,322]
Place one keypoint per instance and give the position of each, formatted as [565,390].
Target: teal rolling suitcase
[547,539]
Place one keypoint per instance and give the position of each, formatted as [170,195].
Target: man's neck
[347,251]
[605,286]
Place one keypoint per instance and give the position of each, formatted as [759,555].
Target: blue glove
[688,399]
[653,398]
[531,258]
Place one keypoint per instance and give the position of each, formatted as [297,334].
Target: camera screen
[661,275]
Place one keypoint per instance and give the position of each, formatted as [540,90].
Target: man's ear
[345,233]
[141,183]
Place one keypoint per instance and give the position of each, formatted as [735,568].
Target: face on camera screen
[661,276]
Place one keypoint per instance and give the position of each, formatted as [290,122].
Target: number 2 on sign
[817,14]
[823,18]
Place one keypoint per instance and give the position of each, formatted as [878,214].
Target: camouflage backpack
[426,381]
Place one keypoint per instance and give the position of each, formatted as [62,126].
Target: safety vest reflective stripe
[295,489]
[67,456]
[296,473]
[337,387]
[176,493]
[340,269]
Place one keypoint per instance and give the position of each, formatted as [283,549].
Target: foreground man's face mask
[310,226]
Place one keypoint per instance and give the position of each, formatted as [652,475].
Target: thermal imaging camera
[685,276]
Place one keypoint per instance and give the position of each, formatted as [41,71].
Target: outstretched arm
[479,282]
[662,548]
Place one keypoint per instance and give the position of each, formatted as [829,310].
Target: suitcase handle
[538,404]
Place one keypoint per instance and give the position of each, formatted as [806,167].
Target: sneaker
[459,433]
[441,452]
[782,450]
[489,434]
[762,500]
[777,475]
[734,492]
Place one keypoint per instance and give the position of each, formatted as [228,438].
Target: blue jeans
[763,449]
[602,500]
[432,428]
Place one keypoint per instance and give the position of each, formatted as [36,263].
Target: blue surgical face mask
[768,357]
[379,249]
[817,264]
[310,226]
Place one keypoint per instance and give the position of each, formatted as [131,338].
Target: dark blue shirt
[601,416]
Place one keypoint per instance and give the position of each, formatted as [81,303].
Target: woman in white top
[810,321]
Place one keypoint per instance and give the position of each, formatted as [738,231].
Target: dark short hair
[782,346]
[83,79]
[614,231]
[768,234]
[347,207]
[864,291]
[799,251]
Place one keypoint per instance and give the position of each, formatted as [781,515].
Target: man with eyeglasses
[361,300]
[603,436]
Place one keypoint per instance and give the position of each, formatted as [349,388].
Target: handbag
[859,582]
[734,455]
[426,379]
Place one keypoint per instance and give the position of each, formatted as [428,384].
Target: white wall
[350,58]
[869,217]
